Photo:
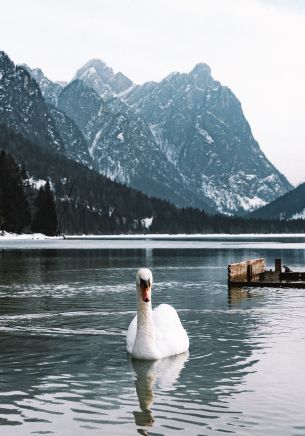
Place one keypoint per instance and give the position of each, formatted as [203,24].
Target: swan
[154,334]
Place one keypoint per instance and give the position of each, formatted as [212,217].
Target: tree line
[22,207]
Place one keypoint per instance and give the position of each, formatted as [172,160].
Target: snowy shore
[25,236]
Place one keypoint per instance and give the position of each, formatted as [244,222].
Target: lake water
[64,310]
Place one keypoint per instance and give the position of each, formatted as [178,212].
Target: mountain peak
[96,74]
[201,68]
[5,60]
[96,66]
[201,76]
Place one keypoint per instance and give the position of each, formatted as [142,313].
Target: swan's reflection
[163,373]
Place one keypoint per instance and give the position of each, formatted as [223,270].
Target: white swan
[157,333]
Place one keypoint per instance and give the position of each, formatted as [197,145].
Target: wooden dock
[253,273]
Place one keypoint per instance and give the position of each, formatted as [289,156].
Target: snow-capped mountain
[122,146]
[200,127]
[184,139]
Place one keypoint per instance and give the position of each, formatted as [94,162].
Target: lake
[65,307]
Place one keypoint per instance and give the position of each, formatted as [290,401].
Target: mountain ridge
[185,135]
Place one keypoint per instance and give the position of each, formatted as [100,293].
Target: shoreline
[151,236]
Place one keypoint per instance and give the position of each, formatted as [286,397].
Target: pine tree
[45,217]
[14,208]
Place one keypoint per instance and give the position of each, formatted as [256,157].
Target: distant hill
[287,207]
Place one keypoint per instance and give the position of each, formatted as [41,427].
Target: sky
[255,47]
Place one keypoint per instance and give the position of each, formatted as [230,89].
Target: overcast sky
[256,47]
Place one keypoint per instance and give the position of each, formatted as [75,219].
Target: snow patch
[94,143]
[88,73]
[298,216]
[252,203]
[147,222]
[37,236]
[37,184]
[126,91]
[120,136]
[204,134]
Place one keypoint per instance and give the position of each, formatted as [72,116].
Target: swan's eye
[144,283]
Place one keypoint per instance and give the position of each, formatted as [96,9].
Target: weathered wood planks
[246,271]
[252,273]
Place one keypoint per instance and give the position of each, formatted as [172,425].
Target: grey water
[65,307]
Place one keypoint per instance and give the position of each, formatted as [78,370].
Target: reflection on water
[64,369]
[164,372]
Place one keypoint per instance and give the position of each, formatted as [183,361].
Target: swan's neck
[144,319]
[144,345]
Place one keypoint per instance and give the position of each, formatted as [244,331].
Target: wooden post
[249,273]
[278,265]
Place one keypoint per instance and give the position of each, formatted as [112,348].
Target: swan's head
[144,281]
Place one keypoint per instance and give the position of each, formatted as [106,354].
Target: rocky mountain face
[74,144]
[122,146]
[50,90]
[22,106]
[26,108]
[200,127]
[200,130]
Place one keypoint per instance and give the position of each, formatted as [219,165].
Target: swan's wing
[165,316]
[131,334]
[171,338]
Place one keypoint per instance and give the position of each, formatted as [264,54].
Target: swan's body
[157,333]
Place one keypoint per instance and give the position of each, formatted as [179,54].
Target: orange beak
[146,293]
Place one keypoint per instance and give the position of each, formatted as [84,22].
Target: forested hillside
[88,202]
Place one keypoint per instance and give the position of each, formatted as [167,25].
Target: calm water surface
[63,319]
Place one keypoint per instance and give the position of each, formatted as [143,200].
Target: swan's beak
[146,294]
[145,289]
